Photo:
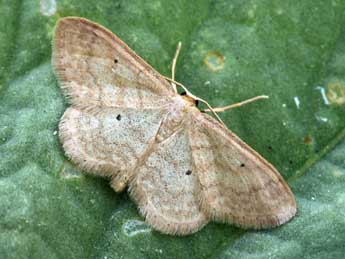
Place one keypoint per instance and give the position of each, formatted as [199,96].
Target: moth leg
[119,182]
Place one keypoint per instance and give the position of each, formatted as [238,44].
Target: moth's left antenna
[173,67]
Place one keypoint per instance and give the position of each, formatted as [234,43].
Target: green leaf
[232,50]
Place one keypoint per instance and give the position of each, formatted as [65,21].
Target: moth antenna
[235,105]
[197,98]
[173,67]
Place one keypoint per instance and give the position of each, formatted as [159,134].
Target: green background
[293,51]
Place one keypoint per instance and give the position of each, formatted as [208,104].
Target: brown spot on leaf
[214,60]
[336,93]
[308,140]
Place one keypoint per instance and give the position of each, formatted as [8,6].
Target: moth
[127,123]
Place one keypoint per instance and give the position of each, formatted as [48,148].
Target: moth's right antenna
[235,105]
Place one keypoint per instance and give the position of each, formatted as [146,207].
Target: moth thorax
[173,120]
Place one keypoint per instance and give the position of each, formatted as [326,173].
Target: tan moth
[126,122]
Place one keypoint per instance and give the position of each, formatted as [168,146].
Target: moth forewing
[237,185]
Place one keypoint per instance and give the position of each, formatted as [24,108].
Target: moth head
[190,100]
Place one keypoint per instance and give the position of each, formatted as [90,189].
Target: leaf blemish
[48,7]
[135,227]
[336,93]
[214,60]
[308,140]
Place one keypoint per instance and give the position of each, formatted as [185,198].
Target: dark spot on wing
[118,117]
[243,165]
[116,61]
[189,172]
